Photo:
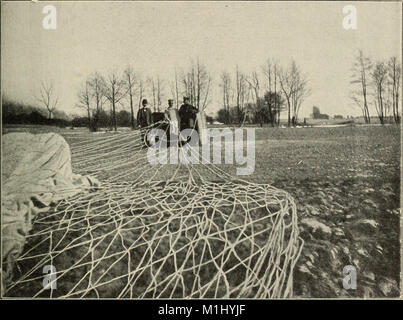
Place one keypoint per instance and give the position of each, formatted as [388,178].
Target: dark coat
[144,117]
[187,112]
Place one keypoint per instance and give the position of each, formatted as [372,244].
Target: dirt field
[346,183]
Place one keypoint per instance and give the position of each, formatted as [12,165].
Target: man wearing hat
[187,114]
[144,115]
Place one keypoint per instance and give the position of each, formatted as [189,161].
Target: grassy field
[346,183]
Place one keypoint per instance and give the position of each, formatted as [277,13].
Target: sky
[157,37]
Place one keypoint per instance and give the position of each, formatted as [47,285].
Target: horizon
[154,39]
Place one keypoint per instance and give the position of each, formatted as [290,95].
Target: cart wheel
[153,139]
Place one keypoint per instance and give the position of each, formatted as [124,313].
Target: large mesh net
[159,231]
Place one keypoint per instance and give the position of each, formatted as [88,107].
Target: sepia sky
[156,37]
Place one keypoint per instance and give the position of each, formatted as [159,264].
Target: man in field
[171,116]
[187,113]
[170,107]
[144,116]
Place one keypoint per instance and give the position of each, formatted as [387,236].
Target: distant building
[317,115]
[338,116]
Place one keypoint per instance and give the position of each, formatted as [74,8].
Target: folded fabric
[36,173]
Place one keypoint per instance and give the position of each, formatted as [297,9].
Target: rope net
[159,231]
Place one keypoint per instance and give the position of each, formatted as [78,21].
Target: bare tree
[287,87]
[254,89]
[187,81]
[300,91]
[196,82]
[175,89]
[48,97]
[160,90]
[394,74]
[140,90]
[379,81]
[254,86]
[226,91]
[271,72]
[115,90]
[241,94]
[153,88]
[84,99]
[97,90]
[131,87]
[156,85]
[360,71]
[294,86]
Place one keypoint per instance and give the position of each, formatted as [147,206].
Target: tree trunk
[381,106]
[397,106]
[131,111]
[115,125]
[89,118]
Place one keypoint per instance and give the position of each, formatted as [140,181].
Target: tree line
[101,95]
[376,83]
[14,112]
[261,96]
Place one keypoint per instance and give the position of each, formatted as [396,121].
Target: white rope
[160,232]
